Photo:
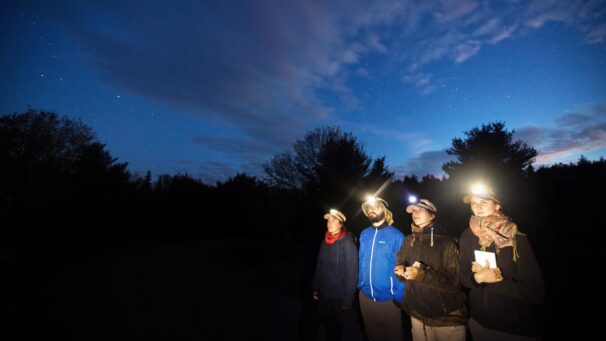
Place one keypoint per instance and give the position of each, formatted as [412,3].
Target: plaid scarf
[497,228]
[330,238]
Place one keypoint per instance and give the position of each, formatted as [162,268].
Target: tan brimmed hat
[486,194]
[340,216]
[383,204]
[424,204]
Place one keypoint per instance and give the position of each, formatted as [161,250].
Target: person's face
[333,225]
[375,212]
[483,207]
[421,217]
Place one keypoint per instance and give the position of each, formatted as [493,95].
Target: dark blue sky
[213,88]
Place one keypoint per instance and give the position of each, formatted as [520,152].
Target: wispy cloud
[585,15]
[450,10]
[422,81]
[237,154]
[503,34]
[382,134]
[466,50]
[429,162]
[212,172]
[460,29]
[596,35]
[238,147]
[580,131]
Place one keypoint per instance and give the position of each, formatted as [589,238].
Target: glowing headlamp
[479,188]
[335,214]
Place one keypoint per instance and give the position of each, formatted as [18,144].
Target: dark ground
[200,290]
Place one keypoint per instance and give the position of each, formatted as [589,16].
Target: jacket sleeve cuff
[474,283]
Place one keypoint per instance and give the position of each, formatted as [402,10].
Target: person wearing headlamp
[378,285]
[429,263]
[335,279]
[503,294]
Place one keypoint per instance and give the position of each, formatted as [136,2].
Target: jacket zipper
[372,252]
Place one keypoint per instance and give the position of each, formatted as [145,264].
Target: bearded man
[379,287]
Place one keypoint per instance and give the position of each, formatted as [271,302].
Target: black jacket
[435,297]
[507,306]
[336,274]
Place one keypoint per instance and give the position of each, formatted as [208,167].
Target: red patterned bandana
[332,238]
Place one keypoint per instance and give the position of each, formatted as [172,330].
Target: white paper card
[483,256]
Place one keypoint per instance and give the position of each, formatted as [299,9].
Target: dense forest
[64,198]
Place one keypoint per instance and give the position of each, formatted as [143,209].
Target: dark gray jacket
[336,274]
[435,297]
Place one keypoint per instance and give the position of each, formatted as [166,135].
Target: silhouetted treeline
[63,196]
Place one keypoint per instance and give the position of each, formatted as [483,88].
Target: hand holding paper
[485,268]
[483,256]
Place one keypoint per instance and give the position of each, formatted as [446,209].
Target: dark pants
[339,324]
[479,333]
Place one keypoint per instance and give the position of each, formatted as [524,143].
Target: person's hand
[315,295]
[399,270]
[484,274]
[475,266]
[412,272]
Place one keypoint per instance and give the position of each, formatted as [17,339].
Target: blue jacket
[378,248]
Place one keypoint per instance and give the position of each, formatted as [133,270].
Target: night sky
[219,87]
